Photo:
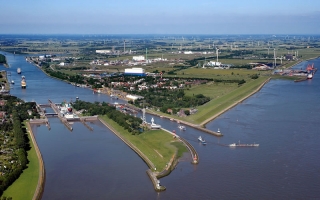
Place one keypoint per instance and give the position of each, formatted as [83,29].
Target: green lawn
[219,104]
[158,145]
[24,187]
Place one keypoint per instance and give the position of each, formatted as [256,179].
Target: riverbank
[30,184]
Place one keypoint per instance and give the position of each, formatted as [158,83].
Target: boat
[23,82]
[19,70]
[202,140]
[12,81]
[77,97]
[153,125]
[243,145]
[218,130]
[309,76]
[183,128]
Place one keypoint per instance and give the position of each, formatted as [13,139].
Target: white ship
[153,125]
[202,140]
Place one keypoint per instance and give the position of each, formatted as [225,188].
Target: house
[3,102]
[2,114]
[181,113]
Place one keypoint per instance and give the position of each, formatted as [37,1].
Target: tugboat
[202,140]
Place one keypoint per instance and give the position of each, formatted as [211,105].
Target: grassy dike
[218,106]
[221,104]
[157,145]
[25,186]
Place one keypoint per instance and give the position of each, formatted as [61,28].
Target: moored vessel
[19,70]
[23,82]
[183,128]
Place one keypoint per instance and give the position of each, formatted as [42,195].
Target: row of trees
[164,99]
[3,59]
[130,123]
[16,112]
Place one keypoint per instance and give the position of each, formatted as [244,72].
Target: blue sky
[160,17]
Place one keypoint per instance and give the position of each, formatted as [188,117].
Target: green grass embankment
[157,145]
[222,103]
[24,187]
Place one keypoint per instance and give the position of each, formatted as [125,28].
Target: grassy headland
[158,145]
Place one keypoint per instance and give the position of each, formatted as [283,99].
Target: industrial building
[134,72]
[138,58]
[103,51]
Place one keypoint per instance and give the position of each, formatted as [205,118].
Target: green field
[221,103]
[24,187]
[158,145]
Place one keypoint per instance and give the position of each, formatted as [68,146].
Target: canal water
[283,118]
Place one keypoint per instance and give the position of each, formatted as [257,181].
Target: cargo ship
[19,71]
[23,82]
[243,145]
[311,71]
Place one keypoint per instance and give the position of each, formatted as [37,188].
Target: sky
[160,17]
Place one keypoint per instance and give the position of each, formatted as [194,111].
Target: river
[282,117]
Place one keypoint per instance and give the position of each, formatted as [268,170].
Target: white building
[213,63]
[134,72]
[138,58]
[103,51]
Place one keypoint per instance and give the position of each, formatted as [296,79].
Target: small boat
[202,140]
[183,128]
[19,70]
[12,82]
[77,97]
[310,76]
[218,130]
